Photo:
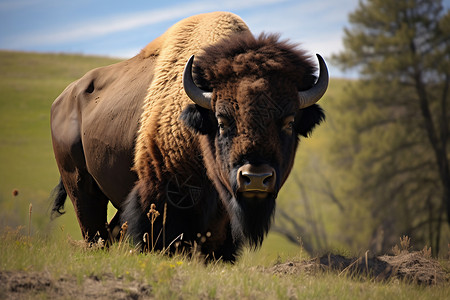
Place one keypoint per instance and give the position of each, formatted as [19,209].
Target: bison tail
[59,196]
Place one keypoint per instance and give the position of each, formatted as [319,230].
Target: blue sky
[122,28]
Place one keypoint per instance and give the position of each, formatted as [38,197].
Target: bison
[202,125]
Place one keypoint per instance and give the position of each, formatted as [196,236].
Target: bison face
[250,120]
[251,133]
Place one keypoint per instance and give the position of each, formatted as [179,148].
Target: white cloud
[120,23]
[316,26]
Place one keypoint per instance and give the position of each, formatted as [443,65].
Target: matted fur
[261,57]
[162,140]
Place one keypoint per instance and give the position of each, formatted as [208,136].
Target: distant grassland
[29,83]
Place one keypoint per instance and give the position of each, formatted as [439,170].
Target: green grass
[178,277]
[29,83]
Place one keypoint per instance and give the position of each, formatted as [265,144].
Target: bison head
[253,98]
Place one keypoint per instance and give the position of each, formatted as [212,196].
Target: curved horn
[199,96]
[311,96]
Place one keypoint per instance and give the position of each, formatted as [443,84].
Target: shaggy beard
[251,219]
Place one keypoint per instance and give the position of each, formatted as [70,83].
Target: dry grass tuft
[152,215]
[405,243]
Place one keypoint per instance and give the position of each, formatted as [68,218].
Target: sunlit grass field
[179,277]
[29,83]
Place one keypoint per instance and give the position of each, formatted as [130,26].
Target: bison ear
[198,119]
[307,118]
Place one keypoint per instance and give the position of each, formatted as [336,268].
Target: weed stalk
[30,209]
[122,233]
[152,215]
[164,225]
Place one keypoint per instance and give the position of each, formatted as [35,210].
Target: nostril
[268,179]
[246,179]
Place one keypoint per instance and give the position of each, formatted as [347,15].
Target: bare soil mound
[21,284]
[410,267]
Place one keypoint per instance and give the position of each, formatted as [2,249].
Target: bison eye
[223,123]
[288,125]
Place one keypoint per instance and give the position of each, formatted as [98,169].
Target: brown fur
[162,139]
[243,67]
[86,121]
[166,144]
[264,73]
[261,57]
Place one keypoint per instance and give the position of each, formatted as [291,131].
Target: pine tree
[399,115]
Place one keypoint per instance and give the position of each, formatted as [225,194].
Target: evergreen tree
[397,120]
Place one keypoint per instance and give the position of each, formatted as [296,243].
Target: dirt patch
[410,267]
[21,284]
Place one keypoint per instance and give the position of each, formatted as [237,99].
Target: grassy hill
[51,261]
[29,83]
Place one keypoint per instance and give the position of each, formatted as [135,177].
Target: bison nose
[252,178]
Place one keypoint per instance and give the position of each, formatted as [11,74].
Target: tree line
[384,169]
